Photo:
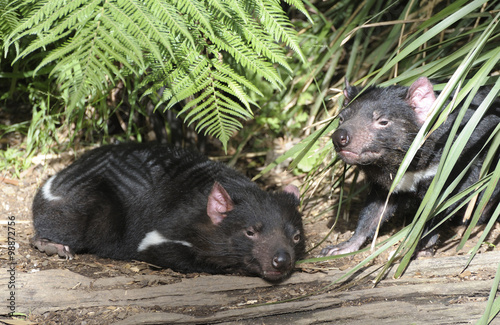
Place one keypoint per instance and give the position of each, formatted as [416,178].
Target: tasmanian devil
[169,207]
[375,132]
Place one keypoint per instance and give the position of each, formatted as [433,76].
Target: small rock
[9,190]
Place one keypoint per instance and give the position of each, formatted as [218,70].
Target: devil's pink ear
[219,203]
[293,190]
[420,97]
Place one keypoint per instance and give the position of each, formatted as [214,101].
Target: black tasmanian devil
[170,207]
[375,132]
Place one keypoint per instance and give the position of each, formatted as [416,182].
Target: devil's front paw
[50,248]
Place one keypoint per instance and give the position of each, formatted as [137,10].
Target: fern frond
[278,25]
[300,6]
[236,83]
[40,43]
[233,108]
[122,42]
[9,17]
[208,51]
[214,111]
[224,128]
[263,44]
[211,120]
[224,68]
[139,25]
[196,12]
[247,57]
[238,10]
[198,103]
[218,123]
[200,110]
[43,15]
[167,13]
[197,86]
[120,52]
[258,39]
[92,69]
[230,89]
[221,7]
[67,51]
[185,82]
[70,17]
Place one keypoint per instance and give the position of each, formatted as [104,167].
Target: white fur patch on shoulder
[154,238]
[410,180]
[47,190]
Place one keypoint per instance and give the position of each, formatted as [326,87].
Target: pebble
[9,190]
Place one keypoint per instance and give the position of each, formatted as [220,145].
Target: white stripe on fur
[153,238]
[47,190]
[410,180]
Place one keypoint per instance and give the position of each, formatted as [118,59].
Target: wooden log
[432,291]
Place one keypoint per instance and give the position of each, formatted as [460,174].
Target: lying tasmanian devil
[375,132]
[170,207]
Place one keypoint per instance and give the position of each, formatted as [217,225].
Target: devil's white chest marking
[410,180]
[154,237]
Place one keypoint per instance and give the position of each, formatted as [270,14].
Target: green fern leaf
[257,38]
[225,69]
[40,43]
[117,48]
[196,11]
[228,89]
[300,6]
[67,51]
[207,51]
[276,22]
[186,84]
[199,103]
[262,43]
[200,110]
[42,16]
[71,17]
[238,10]
[247,57]
[139,25]
[221,7]
[167,13]
[9,17]
[122,42]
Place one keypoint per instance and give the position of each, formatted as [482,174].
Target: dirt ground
[16,197]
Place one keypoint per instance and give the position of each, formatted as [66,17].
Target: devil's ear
[420,97]
[294,190]
[350,92]
[219,203]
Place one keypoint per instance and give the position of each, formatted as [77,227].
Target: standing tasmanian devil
[169,207]
[375,132]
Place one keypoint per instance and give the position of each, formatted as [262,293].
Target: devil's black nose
[340,138]
[282,260]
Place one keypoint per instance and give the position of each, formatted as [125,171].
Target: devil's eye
[382,121]
[297,237]
[250,232]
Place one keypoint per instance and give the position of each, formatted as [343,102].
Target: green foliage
[221,59]
[12,158]
[380,42]
[190,50]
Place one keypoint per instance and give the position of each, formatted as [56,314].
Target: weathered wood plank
[430,292]
[414,303]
